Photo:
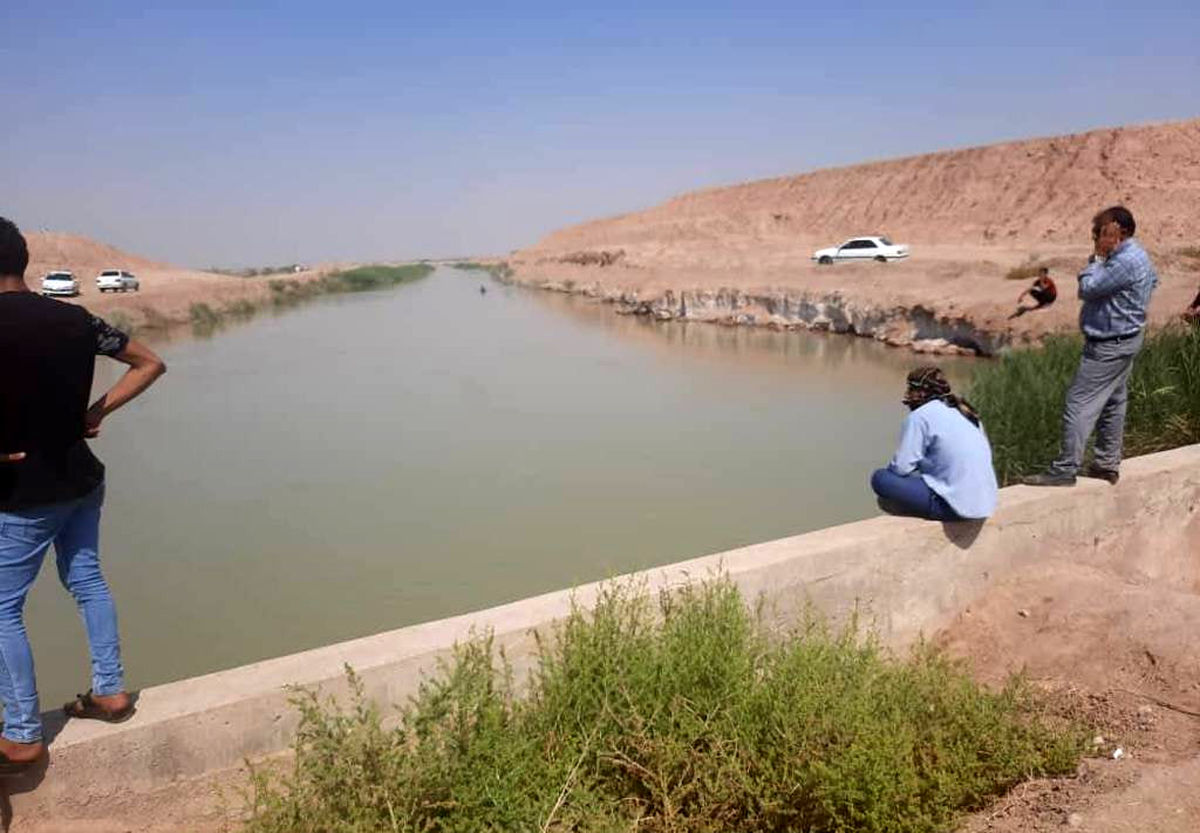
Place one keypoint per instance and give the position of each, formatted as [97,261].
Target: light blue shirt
[1116,291]
[952,455]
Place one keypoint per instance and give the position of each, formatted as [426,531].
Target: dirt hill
[741,254]
[167,295]
[50,250]
[1023,193]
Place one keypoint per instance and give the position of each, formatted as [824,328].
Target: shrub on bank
[203,317]
[1021,396]
[682,716]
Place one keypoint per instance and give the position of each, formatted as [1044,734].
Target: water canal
[375,460]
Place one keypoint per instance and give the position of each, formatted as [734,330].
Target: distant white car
[116,280]
[60,283]
[863,248]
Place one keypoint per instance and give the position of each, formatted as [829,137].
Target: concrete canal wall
[910,577]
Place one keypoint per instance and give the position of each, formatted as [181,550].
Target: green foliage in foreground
[1021,398]
[680,716]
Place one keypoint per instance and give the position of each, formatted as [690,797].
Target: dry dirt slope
[741,254]
[167,293]
[50,250]
[1041,191]
[1019,192]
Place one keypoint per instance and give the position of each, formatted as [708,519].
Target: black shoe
[1049,478]
[1111,475]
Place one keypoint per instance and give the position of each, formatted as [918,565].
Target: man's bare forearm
[144,368]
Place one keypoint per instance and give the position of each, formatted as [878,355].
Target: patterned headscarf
[928,383]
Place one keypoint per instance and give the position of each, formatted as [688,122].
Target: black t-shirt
[48,353]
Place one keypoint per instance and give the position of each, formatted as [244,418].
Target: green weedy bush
[682,716]
[1020,397]
[203,317]
[242,308]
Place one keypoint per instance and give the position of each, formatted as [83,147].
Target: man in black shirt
[52,487]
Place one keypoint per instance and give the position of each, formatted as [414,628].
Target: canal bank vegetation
[280,293]
[1021,396]
[681,715]
[500,270]
[286,291]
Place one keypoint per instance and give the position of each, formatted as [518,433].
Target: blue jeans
[909,495]
[73,527]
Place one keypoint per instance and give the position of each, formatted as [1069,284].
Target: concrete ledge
[910,576]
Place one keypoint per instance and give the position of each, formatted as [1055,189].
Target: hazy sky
[232,133]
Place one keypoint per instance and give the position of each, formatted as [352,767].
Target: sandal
[84,707]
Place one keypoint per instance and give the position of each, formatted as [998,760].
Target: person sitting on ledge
[942,470]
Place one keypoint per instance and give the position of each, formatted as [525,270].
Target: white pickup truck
[863,248]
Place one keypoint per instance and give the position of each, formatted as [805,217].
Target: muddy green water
[370,461]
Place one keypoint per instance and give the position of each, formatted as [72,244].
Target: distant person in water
[942,469]
[1043,293]
[52,487]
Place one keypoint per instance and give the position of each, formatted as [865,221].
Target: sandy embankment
[741,254]
[166,294]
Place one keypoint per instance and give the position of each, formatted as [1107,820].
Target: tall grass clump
[204,319]
[685,715]
[1021,395]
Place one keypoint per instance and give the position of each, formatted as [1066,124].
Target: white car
[863,248]
[116,280]
[60,283]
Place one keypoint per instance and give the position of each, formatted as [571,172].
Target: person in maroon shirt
[1043,293]
[1192,314]
[52,488]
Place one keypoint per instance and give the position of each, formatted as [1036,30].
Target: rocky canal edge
[918,327]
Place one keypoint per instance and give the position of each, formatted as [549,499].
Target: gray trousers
[1096,400]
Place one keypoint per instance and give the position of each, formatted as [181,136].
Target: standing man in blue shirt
[1115,288]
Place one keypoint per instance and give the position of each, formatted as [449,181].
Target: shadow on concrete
[27,781]
[53,722]
[962,534]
